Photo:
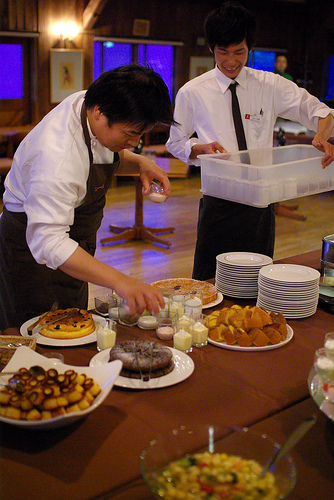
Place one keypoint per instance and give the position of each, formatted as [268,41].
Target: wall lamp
[66,30]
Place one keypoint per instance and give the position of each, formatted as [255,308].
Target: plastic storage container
[262,176]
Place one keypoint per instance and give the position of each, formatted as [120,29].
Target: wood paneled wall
[304,28]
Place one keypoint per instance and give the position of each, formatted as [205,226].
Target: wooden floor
[150,262]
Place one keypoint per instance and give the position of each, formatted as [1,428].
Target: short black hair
[230,24]
[132,94]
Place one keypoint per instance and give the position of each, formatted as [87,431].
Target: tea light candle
[200,334]
[182,341]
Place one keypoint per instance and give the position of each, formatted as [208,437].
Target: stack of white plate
[290,289]
[237,273]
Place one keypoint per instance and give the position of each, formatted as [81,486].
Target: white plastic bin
[262,176]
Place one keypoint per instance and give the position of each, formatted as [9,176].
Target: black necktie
[239,129]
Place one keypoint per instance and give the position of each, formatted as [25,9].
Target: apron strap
[85,131]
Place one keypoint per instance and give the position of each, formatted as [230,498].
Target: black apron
[28,289]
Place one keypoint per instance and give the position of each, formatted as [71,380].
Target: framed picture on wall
[200,65]
[66,73]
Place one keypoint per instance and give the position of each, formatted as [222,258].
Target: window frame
[136,42]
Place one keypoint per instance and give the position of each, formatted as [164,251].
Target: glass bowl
[178,443]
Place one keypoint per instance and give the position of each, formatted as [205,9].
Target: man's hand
[149,171]
[326,148]
[203,149]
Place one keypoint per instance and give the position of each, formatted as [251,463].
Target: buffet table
[98,457]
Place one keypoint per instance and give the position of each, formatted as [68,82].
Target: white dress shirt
[48,179]
[203,105]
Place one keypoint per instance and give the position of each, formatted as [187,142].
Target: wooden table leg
[138,231]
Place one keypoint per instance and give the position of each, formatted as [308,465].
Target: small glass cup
[55,357]
[166,328]
[182,341]
[124,316]
[199,331]
[184,322]
[106,334]
[104,303]
[176,304]
[193,304]
[329,345]
[324,366]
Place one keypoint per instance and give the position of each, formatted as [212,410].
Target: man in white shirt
[55,194]
[203,112]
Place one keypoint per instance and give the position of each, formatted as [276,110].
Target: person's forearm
[129,162]
[81,265]
[138,295]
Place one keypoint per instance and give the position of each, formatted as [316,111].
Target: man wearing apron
[55,195]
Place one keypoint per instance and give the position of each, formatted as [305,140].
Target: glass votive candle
[125,317]
[104,303]
[106,334]
[166,328]
[329,345]
[324,366]
[199,331]
[193,304]
[176,304]
[182,341]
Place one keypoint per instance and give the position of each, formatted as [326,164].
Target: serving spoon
[292,440]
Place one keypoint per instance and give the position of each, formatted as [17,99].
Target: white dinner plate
[236,347]
[219,299]
[41,340]
[105,376]
[244,259]
[183,368]
[291,273]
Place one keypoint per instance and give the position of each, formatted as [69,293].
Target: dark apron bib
[28,289]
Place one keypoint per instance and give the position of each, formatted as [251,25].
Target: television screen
[262,59]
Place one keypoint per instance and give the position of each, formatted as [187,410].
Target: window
[11,62]
[16,79]
[111,54]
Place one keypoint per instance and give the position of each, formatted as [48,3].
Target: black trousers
[226,226]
